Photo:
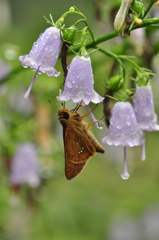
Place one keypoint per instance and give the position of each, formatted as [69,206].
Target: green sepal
[70,35]
[115,83]
[138,7]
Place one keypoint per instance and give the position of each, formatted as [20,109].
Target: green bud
[138,7]
[124,95]
[129,93]
[72,9]
[70,34]
[115,83]
[120,23]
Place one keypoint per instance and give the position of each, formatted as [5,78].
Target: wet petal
[144,108]
[79,83]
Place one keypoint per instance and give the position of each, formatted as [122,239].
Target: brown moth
[79,143]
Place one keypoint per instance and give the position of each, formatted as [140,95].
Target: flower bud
[120,20]
[115,83]
[138,20]
[70,35]
[157,3]
[138,7]
[72,9]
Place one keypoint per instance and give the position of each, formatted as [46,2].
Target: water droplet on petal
[119,126]
[56,74]
[116,143]
[69,84]
[128,121]
[147,113]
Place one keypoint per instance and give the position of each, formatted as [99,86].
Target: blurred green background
[98,204]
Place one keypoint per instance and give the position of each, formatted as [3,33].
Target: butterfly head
[66,115]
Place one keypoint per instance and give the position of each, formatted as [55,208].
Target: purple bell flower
[124,130]
[44,54]
[25,166]
[144,111]
[144,108]
[79,83]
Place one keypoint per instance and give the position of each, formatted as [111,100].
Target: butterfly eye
[66,115]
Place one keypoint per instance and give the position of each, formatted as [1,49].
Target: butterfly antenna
[89,110]
[52,104]
[77,107]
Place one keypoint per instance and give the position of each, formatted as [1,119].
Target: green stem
[69,12]
[149,7]
[93,44]
[129,60]
[111,54]
[90,31]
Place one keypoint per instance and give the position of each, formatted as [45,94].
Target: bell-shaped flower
[124,130]
[44,54]
[25,166]
[144,108]
[144,111]
[79,82]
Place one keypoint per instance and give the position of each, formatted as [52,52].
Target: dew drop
[119,126]
[116,142]
[147,113]
[128,121]
[56,74]
[108,141]
[69,84]
[125,175]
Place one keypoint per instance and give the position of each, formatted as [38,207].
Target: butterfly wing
[78,150]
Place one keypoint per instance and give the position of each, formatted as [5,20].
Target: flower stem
[95,121]
[149,7]
[93,44]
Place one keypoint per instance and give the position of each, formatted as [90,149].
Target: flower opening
[79,83]
[44,53]
[124,129]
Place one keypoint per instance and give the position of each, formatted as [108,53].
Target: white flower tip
[125,175]
[26,96]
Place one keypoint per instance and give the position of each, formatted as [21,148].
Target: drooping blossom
[144,108]
[79,82]
[124,130]
[25,166]
[144,111]
[4,69]
[44,54]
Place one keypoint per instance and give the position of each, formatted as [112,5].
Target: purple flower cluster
[79,81]
[127,124]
